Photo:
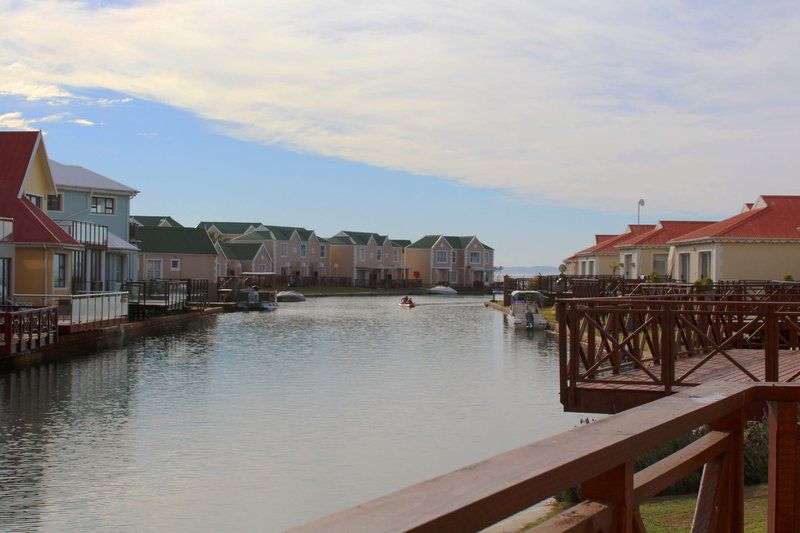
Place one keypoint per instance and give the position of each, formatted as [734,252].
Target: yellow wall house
[648,253]
[762,242]
[43,250]
[600,259]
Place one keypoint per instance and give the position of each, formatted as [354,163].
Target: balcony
[6,229]
[86,233]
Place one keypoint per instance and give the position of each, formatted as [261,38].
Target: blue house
[95,210]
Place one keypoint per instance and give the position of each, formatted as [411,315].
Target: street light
[639,211]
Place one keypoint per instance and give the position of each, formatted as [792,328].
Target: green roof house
[295,251]
[366,257]
[244,257]
[154,221]
[177,253]
[462,261]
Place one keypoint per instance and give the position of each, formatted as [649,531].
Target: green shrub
[788,277]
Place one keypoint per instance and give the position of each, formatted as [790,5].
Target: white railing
[6,228]
[91,310]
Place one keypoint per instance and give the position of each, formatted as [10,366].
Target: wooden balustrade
[26,329]
[599,457]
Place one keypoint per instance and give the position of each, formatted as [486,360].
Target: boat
[252,299]
[290,296]
[526,310]
[441,289]
[407,306]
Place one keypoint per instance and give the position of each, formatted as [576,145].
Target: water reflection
[264,421]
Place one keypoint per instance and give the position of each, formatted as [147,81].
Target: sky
[532,124]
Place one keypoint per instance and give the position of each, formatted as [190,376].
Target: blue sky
[533,125]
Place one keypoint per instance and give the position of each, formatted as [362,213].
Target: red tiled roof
[609,246]
[666,230]
[31,224]
[771,217]
[602,238]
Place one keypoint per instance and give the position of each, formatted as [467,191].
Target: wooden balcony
[27,329]
[599,457]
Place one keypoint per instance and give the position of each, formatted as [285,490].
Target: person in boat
[410,301]
[405,300]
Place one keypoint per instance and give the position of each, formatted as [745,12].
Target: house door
[152,269]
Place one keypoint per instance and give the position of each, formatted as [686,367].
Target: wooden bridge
[617,353]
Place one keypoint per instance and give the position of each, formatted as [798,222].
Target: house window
[683,267]
[628,262]
[102,205]
[453,256]
[396,254]
[152,269]
[174,264]
[379,254]
[590,265]
[283,249]
[303,250]
[485,257]
[441,256]
[583,268]
[660,264]
[35,199]
[55,202]
[453,276]
[474,257]
[60,271]
[5,280]
[705,264]
[362,254]
[262,267]
[322,251]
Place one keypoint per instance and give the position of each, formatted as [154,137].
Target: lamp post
[639,211]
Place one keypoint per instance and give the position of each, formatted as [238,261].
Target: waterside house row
[367,257]
[761,242]
[450,260]
[294,251]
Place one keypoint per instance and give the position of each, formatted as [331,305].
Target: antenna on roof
[639,211]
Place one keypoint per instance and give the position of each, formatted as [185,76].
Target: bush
[756,461]
[788,277]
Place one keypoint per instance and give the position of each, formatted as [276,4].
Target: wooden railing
[599,458]
[26,329]
[600,338]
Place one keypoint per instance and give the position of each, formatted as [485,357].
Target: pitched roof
[400,242]
[175,241]
[228,227]
[458,242]
[361,238]
[425,242]
[665,231]
[600,238]
[339,240]
[31,224]
[284,233]
[770,217]
[609,246]
[79,177]
[154,220]
[239,251]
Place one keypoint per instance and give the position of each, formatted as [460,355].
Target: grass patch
[674,513]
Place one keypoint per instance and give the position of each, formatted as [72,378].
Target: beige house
[294,251]
[449,260]
[367,257]
[573,263]
[762,242]
[600,259]
[648,253]
[237,258]
[178,253]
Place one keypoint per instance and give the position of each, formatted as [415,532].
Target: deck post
[783,467]
[667,348]
[591,341]
[561,314]
[771,345]
[574,350]
[614,486]
[731,512]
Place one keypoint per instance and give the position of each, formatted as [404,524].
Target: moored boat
[526,310]
[441,289]
[255,300]
[290,296]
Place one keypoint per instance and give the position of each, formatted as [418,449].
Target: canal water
[265,421]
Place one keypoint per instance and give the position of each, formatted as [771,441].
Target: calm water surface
[264,421]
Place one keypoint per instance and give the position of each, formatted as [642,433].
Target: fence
[166,295]
[81,312]
[599,458]
[24,330]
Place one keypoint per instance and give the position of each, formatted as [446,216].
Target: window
[35,199]
[262,267]
[474,257]
[628,262]
[583,268]
[683,267]
[379,254]
[152,269]
[60,271]
[486,257]
[396,255]
[174,264]
[362,254]
[441,256]
[303,250]
[660,264]
[283,249]
[453,276]
[453,256]
[5,280]
[322,251]
[590,265]
[705,264]
[102,205]
[55,202]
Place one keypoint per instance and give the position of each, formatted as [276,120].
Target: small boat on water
[290,296]
[441,289]
[526,310]
[407,306]
[254,300]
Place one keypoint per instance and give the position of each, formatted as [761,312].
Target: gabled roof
[74,176]
[400,242]
[425,242]
[665,231]
[155,221]
[284,233]
[458,242]
[229,227]
[609,246]
[600,238]
[339,240]
[361,238]
[258,235]
[770,218]
[31,224]
[239,251]
[175,241]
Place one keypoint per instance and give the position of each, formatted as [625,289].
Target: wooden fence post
[731,511]
[563,355]
[771,346]
[614,486]
[667,348]
[783,467]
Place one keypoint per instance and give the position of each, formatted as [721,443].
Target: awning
[119,245]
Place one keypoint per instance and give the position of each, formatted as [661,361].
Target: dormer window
[35,199]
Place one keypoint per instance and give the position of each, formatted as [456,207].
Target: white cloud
[16,121]
[590,104]
[82,122]
[108,102]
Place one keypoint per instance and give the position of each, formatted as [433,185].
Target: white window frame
[710,273]
[172,266]
[486,257]
[362,254]
[453,276]
[36,199]
[284,248]
[453,256]
[160,268]
[303,250]
[474,257]
[379,254]
[665,261]
[113,205]
[684,274]
[322,251]
[441,256]
[262,267]
[396,254]
[63,281]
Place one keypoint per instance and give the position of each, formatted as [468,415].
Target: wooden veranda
[617,353]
